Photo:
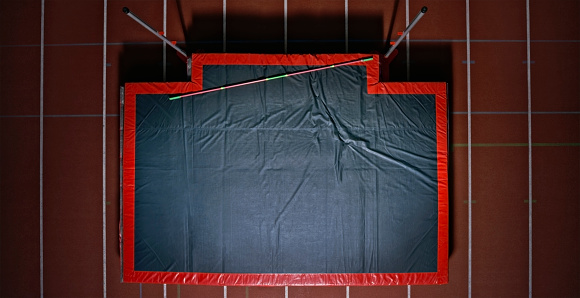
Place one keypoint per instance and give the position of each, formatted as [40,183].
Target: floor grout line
[469,174]
[346,26]
[104,152]
[224,26]
[408,41]
[164,45]
[293,40]
[459,145]
[518,112]
[285,26]
[530,144]
[41,157]
[60,116]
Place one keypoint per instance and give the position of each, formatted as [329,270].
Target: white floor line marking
[408,41]
[41,165]
[224,25]
[225,287]
[286,292]
[346,26]
[164,45]
[104,153]
[408,291]
[164,290]
[347,292]
[469,199]
[528,66]
[285,26]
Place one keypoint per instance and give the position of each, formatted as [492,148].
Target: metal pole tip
[424,9]
[126,10]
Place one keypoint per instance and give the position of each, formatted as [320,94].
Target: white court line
[104,148]
[347,292]
[224,25]
[41,163]
[528,57]
[469,195]
[408,291]
[164,45]
[346,26]
[285,26]
[68,116]
[408,41]
[92,44]
[164,290]
[286,292]
[225,287]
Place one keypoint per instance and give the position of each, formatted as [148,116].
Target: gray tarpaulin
[308,174]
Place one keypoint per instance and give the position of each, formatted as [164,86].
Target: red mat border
[270,279]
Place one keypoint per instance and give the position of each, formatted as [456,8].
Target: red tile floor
[59,84]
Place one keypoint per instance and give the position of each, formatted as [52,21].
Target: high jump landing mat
[324,178]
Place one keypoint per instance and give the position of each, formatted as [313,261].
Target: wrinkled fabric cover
[308,174]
